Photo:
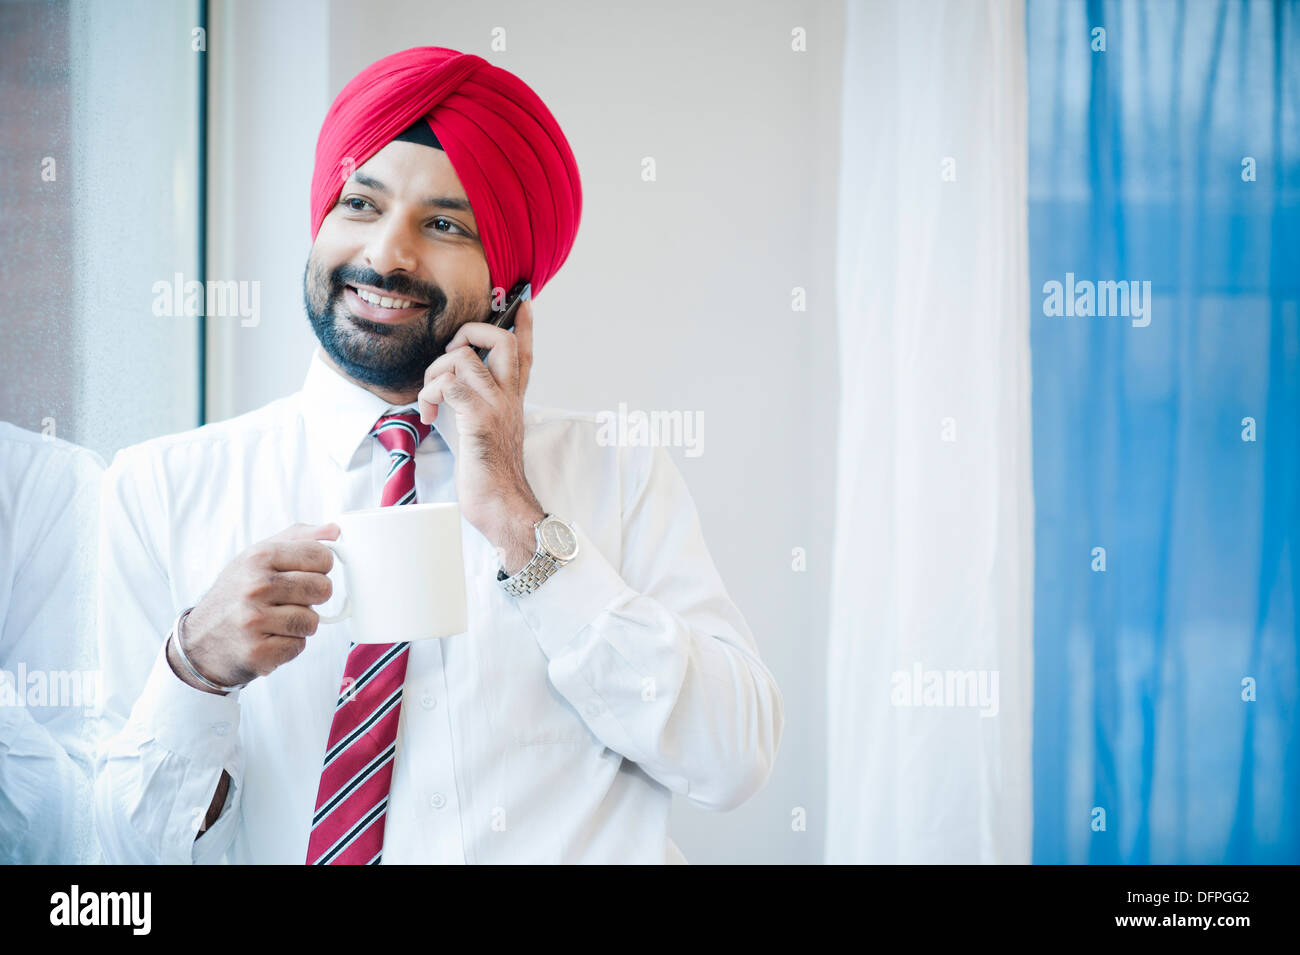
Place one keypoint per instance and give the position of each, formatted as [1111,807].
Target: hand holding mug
[258,614]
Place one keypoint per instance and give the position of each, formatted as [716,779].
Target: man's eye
[351,199]
[440,220]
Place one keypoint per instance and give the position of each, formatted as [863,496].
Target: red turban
[517,169]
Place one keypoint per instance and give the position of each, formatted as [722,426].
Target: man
[589,687]
[49,493]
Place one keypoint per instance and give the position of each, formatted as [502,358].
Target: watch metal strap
[532,576]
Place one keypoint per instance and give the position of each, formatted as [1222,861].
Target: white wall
[269,88]
[677,294]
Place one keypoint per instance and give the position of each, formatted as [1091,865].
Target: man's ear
[524,334]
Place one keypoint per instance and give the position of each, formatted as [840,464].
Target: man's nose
[392,248]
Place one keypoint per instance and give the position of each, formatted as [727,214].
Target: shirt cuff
[204,727]
[572,597]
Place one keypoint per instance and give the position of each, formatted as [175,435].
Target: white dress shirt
[49,491]
[556,729]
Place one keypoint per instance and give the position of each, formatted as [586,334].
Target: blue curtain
[1164,148]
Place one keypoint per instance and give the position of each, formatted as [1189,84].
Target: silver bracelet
[175,637]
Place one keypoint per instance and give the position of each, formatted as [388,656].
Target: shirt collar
[340,413]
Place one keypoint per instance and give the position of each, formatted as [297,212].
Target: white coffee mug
[401,571]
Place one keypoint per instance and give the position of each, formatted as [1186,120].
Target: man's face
[402,229]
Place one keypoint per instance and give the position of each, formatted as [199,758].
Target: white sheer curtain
[931,652]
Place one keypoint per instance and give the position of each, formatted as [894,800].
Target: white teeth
[382,301]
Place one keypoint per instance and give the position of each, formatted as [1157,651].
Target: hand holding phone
[505,318]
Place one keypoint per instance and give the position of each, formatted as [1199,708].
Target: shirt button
[437,800]
[221,729]
[428,701]
[593,710]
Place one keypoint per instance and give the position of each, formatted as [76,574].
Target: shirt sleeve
[163,744]
[654,655]
[45,793]
[47,646]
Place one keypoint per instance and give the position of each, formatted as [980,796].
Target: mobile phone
[505,318]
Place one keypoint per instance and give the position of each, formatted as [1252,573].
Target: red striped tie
[352,801]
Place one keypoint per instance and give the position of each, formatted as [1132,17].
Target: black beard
[392,357]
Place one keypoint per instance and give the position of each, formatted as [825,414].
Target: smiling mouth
[392,302]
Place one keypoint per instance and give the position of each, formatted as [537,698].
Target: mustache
[399,286]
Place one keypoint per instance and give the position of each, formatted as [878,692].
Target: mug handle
[347,597]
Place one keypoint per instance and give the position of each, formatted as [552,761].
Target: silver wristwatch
[557,544]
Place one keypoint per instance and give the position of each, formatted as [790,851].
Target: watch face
[559,539]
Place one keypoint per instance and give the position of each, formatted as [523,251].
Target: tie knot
[401,432]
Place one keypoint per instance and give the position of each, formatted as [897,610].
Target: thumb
[310,532]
